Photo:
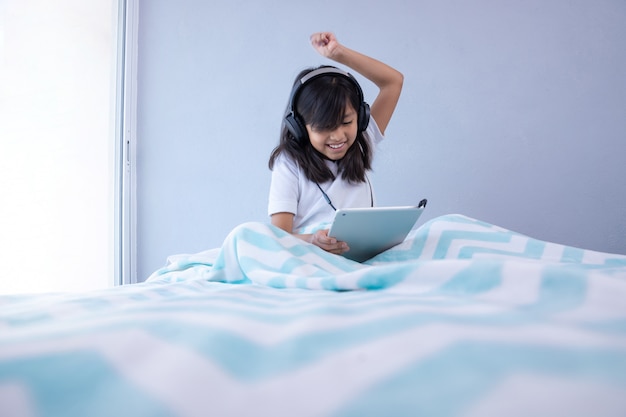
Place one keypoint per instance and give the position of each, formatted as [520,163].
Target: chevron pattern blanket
[462,319]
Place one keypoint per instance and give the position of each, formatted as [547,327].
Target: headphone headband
[293,120]
[325,70]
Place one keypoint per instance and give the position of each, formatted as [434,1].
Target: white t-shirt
[292,192]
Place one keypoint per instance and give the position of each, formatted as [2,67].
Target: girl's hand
[325,43]
[329,244]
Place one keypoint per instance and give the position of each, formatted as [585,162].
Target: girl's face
[334,144]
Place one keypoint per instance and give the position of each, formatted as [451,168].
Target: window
[58,153]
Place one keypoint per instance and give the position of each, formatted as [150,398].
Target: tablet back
[370,231]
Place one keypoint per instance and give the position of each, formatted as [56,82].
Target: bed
[464,318]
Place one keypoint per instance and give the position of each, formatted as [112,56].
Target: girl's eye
[347,122]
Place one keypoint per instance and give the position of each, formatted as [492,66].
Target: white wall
[57,144]
[512,112]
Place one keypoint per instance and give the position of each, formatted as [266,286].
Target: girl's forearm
[374,70]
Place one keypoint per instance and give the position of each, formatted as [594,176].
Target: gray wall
[513,112]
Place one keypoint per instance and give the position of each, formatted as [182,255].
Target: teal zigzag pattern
[463,318]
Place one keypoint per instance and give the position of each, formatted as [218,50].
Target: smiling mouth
[336,146]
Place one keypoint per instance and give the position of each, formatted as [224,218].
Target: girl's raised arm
[387,79]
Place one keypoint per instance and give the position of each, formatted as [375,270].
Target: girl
[326,143]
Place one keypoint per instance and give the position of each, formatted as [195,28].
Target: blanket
[462,319]
[448,246]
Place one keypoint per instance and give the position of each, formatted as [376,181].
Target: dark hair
[322,104]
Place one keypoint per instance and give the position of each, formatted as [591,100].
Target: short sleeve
[283,196]
[373,132]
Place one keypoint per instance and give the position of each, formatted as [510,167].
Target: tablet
[370,231]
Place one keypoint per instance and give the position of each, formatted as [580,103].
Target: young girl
[327,140]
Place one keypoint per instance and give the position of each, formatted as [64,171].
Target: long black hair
[321,103]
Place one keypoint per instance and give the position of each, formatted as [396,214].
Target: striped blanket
[462,319]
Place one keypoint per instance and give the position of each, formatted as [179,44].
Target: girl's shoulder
[284,159]
[373,133]
[286,164]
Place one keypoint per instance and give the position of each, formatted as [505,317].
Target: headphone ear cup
[295,126]
[364,116]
